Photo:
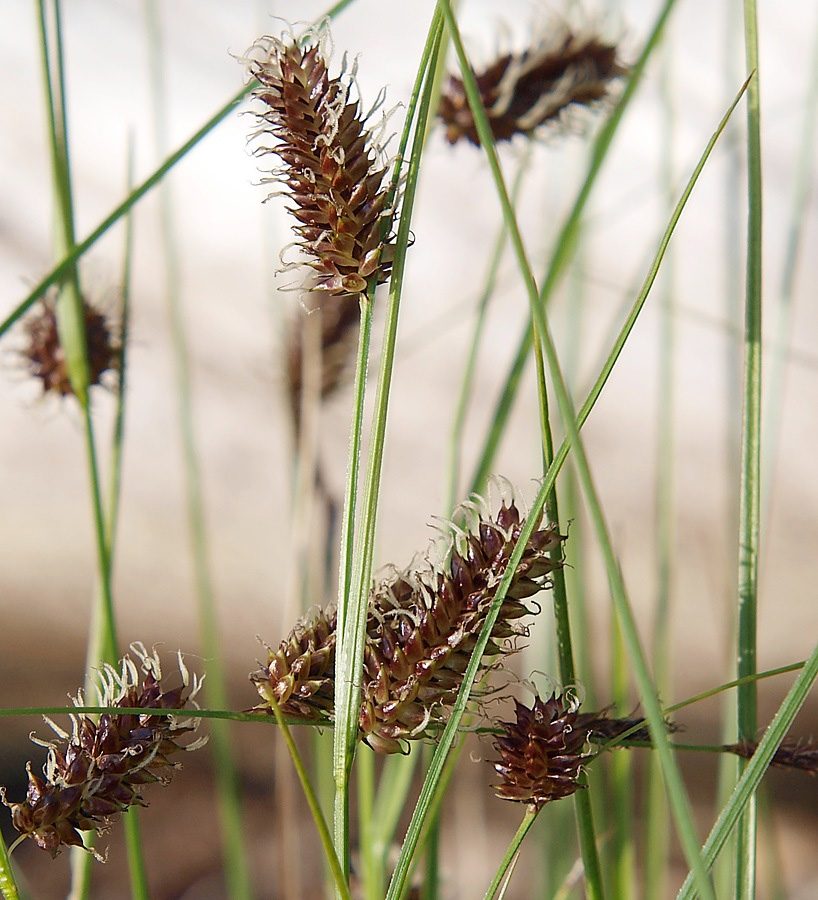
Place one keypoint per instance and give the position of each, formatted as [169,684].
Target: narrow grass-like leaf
[352,628]
[225,771]
[656,821]
[564,249]
[649,699]
[339,876]
[756,767]
[8,886]
[750,478]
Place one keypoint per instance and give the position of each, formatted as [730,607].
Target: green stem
[340,877]
[225,771]
[754,770]
[750,490]
[8,886]
[564,250]
[530,816]
[353,596]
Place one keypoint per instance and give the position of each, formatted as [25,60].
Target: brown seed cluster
[793,753]
[521,92]
[422,627]
[103,766]
[541,753]
[43,354]
[329,162]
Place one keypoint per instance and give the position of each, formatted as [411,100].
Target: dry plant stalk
[338,327]
[422,627]
[330,161]
[100,771]
[566,69]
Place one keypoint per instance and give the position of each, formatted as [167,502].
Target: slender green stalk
[428,796]
[8,886]
[342,751]
[467,383]
[225,770]
[756,767]
[71,329]
[656,829]
[750,478]
[678,796]
[530,816]
[340,877]
[353,599]
[564,249]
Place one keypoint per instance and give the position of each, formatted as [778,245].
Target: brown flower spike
[422,627]
[44,356]
[541,754]
[101,770]
[329,161]
[521,92]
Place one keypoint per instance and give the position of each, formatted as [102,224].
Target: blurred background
[146,76]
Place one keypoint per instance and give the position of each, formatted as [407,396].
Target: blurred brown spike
[521,92]
[329,162]
[792,754]
[44,357]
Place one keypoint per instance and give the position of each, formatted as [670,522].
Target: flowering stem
[531,813]
[8,886]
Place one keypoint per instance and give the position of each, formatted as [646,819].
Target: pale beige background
[226,250]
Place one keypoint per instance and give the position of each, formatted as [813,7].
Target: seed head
[422,626]
[564,70]
[792,754]
[102,766]
[300,675]
[541,754]
[44,356]
[330,165]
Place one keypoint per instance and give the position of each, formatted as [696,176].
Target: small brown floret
[541,754]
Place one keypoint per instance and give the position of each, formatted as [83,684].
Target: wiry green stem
[512,851]
[8,886]
[225,771]
[353,596]
[750,487]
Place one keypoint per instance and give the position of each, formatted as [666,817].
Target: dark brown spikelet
[101,769]
[329,162]
[300,675]
[521,92]
[424,625]
[792,754]
[44,356]
[601,727]
[421,629]
[541,754]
